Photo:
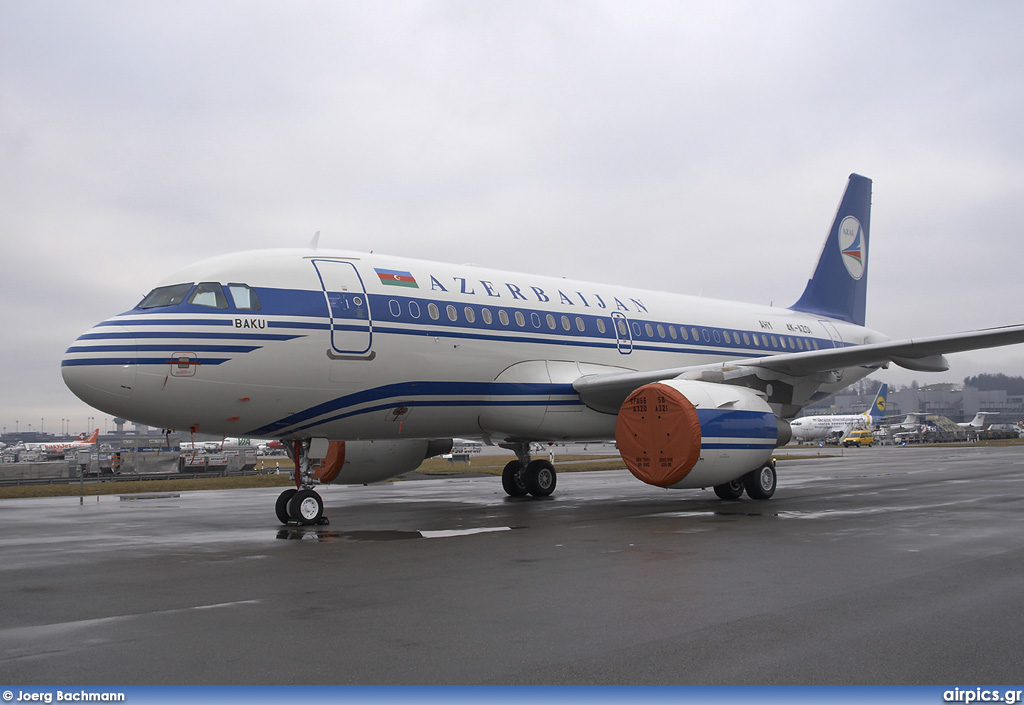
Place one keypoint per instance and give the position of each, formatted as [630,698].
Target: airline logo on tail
[877,409]
[852,246]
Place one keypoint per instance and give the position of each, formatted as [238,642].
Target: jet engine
[688,434]
[363,462]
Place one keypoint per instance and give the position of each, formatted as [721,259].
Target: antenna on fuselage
[315,241]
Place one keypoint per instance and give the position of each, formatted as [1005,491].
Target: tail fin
[93,437]
[877,410]
[838,287]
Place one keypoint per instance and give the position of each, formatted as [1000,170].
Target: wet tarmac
[887,565]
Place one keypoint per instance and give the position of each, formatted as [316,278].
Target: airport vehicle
[83,442]
[370,363]
[859,437]
[808,429]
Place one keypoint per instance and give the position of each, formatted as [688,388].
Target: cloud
[597,140]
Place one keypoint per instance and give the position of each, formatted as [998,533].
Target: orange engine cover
[658,434]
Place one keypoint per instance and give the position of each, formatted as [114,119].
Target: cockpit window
[209,294]
[244,297]
[165,296]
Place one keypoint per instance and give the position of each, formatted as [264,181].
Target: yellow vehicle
[860,437]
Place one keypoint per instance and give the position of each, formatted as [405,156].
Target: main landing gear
[302,505]
[758,484]
[524,476]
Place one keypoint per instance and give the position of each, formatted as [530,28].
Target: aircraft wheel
[512,480]
[540,478]
[760,484]
[282,505]
[730,490]
[306,507]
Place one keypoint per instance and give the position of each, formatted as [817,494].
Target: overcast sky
[694,147]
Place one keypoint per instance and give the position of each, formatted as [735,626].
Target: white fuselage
[353,346]
[813,428]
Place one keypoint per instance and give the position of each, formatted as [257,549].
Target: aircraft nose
[99,368]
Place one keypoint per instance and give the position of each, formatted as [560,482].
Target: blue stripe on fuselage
[412,393]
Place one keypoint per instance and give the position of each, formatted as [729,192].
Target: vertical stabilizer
[838,287]
[877,410]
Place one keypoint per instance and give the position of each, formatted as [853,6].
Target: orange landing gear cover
[658,434]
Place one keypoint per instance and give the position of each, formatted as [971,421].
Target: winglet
[838,287]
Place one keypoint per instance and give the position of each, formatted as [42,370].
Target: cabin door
[623,336]
[351,327]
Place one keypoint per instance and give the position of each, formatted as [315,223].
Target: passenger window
[432,310]
[209,294]
[165,296]
[244,297]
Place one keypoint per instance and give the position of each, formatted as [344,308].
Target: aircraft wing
[606,392]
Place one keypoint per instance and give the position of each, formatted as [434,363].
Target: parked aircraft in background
[808,429]
[62,447]
[978,422]
[230,443]
[366,364]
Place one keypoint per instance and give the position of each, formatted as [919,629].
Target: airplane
[61,447]
[231,443]
[978,422]
[812,428]
[366,364]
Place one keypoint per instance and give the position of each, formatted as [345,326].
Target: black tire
[730,490]
[512,480]
[760,483]
[540,478]
[282,505]
[306,507]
